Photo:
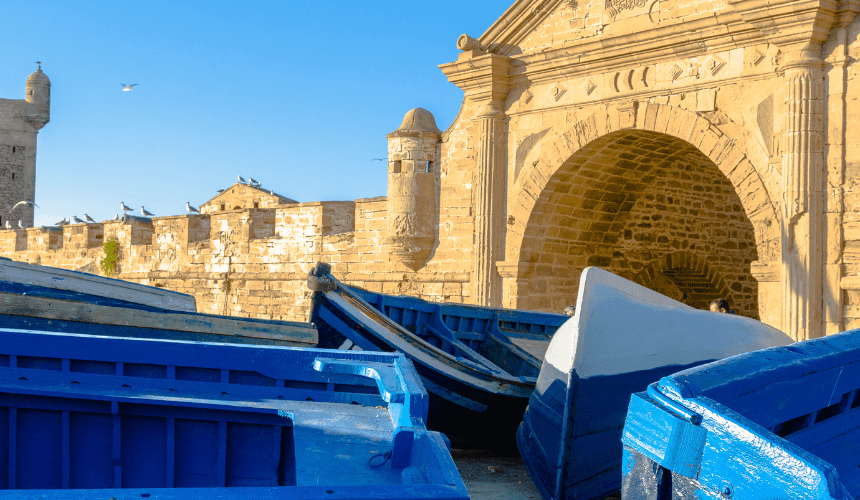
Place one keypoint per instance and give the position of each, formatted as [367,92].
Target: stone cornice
[481,76]
[515,24]
[789,22]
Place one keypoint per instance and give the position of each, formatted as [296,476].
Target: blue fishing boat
[622,337]
[49,299]
[479,364]
[776,423]
[85,417]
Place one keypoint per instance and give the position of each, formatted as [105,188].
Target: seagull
[220,191]
[127,88]
[252,181]
[241,179]
[190,208]
[379,159]
[8,224]
[22,226]
[125,208]
[116,217]
[25,203]
[271,192]
[77,220]
[88,218]
[144,212]
[62,222]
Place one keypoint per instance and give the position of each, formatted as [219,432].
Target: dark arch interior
[624,202]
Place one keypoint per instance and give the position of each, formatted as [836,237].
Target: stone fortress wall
[702,148]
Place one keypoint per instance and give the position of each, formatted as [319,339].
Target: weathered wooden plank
[293,333]
[63,279]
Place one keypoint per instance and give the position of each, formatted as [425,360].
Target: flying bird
[25,203]
[190,208]
[88,218]
[124,207]
[22,226]
[127,88]
[144,212]
[241,179]
[77,220]
[379,159]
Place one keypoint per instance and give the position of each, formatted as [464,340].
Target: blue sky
[297,95]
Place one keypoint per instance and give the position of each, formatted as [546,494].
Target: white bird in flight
[241,179]
[127,88]
[77,220]
[144,212]
[124,207]
[190,208]
[25,203]
[88,218]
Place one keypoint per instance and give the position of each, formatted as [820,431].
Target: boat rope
[386,456]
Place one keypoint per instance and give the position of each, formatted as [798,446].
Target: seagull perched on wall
[77,220]
[127,88]
[252,182]
[88,218]
[116,217]
[220,191]
[8,224]
[62,222]
[124,207]
[144,212]
[190,208]
[22,226]
[25,203]
[241,179]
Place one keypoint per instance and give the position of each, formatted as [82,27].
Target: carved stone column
[803,204]
[484,79]
[489,204]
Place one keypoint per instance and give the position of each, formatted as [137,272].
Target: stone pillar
[489,203]
[803,205]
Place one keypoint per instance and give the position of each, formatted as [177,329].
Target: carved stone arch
[671,120]
[696,281]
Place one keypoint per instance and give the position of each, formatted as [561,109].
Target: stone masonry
[699,147]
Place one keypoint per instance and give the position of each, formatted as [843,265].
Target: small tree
[109,263]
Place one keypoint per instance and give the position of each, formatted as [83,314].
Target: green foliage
[109,263]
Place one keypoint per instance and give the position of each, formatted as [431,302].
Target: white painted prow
[622,327]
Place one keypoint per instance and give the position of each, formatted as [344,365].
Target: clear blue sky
[297,95]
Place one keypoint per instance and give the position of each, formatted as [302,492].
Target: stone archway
[685,277]
[604,184]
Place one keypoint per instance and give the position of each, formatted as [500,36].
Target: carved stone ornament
[557,91]
[755,57]
[588,86]
[527,96]
[675,72]
[714,64]
[622,5]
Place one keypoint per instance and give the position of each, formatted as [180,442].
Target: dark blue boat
[84,417]
[776,423]
[479,364]
[622,337]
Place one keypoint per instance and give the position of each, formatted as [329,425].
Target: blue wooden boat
[52,282]
[49,299]
[622,337]
[84,417]
[479,364]
[776,423]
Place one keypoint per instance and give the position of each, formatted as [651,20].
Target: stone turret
[413,174]
[38,99]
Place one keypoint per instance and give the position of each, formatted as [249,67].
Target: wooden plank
[300,334]
[63,279]
[536,348]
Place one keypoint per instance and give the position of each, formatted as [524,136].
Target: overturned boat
[479,364]
[50,299]
[782,422]
[622,337]
[88,417]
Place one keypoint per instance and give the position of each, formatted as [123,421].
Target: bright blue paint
[805,392]
[140,427]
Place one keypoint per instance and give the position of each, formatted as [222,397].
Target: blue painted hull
[101,417]
[622,338]
[782,422]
